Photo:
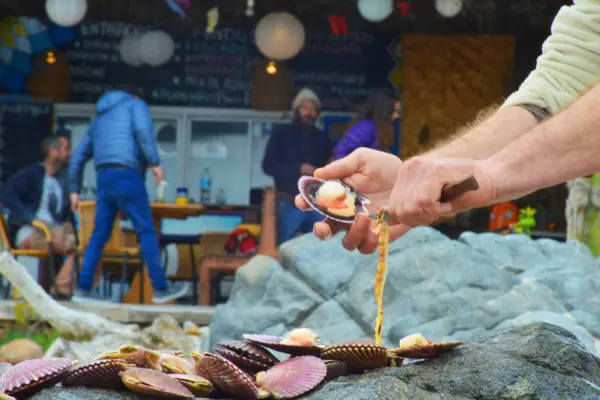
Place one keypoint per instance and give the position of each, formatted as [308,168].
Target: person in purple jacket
[373,120]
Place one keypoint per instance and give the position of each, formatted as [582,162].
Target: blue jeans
[292,220]
[125,190]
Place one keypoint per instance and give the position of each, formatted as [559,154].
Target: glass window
[165,130]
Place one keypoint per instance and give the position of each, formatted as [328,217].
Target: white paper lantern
[279,36]
[130,50]
[449,8]
[66,12]
[157,48]
[375,10]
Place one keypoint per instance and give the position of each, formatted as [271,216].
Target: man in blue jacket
[122,143]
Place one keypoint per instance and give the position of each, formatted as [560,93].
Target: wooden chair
[115,251]
[212,263]
[45,257]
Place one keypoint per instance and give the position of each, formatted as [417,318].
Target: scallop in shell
[31,376]
[198,385]
[429,350]
[97,373]
[360,356]
[245,363]
[274,343]
[309,186]
[292,377]
[154,383]
[226,376]
[249,350]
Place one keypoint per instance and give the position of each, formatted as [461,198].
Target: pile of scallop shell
[241,369]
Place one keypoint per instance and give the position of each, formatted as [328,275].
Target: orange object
[503,215]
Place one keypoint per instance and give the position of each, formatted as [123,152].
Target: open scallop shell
[226,376]
[308,187]
[292,377]
[245,363]
[359,356]
[274,343]
[154,383]
[31,376]
[198,385]
[249,350]
[425,351]
[335,369]
[98,374]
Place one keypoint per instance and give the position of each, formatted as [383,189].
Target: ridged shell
[31,376]
[274,343]
[363,356]
[198,385]
[138,355]
[293,377]
[228,377]
[335,369]
[249,350]
[155,383]
[243,362]
[172,364]
[98,374]
[308,187]
[426,351]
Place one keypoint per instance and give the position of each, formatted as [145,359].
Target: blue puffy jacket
[121,133]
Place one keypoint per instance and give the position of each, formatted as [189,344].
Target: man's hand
[415,199]
[307,169]
[371,172]
[74,201]
[158,173]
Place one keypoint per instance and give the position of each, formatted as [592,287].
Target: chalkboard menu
[23,126]
[215,70]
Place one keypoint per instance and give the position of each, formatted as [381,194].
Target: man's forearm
[562,148]
[488,136]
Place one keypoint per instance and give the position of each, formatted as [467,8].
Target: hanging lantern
[156,47]
[66,12]
[375,10]
[130,50]
[279,36]
[449,8]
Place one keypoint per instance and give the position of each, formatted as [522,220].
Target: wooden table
[160,211]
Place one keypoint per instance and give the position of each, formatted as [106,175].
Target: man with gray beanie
[294,150]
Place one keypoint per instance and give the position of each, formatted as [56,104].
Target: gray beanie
[305,94]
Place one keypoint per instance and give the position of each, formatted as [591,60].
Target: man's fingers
[301,203]
[322,230]
[340,168]
[357,233]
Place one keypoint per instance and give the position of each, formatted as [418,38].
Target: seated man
[37,201]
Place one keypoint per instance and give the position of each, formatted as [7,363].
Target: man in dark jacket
[122,143]
[38,205]
[294,150]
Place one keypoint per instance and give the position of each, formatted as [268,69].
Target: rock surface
[445,289]
[535,361]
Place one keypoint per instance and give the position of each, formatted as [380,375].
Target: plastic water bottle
[221,197]
[205,186]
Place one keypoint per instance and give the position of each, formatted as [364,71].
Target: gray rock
[445,289]
[79,393]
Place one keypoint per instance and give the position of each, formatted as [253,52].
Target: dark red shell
[31,376]
[249,350]
[155,383]
[245,363]
[227,376]
[293,377]
[335,369]
[274,343]
[361,356]
[426,351]
[98,374]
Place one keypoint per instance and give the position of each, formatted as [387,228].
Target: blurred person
[294,150]
[568,67]
[38,202]
[374,120]
[122,143]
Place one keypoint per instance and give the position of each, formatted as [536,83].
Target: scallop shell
[31,376]
[245,363]
[308,187]
[155,383]
[426,351]
[198,385]
[293,377]
[227,376]
[98,374]
[362,356]
[249,350]
[274,343]
[335,369]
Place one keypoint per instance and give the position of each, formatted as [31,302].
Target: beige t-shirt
[570,60]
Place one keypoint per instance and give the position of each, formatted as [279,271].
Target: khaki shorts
[63,239]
